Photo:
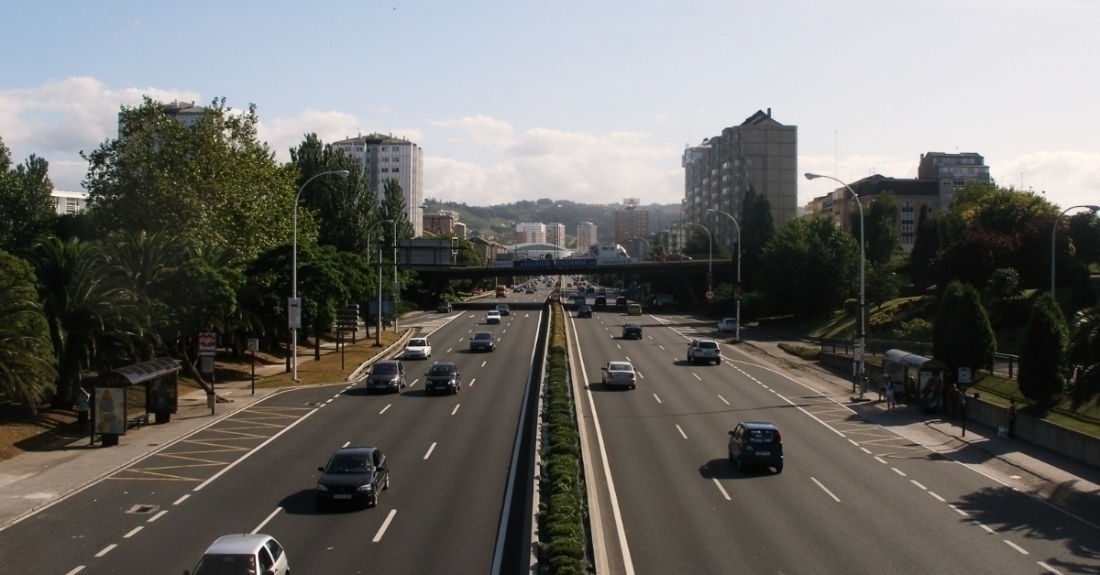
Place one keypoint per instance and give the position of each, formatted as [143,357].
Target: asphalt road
[449,460]
[853,497]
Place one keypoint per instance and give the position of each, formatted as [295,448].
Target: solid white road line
[264,522]
[657,398]
[680,429]
[723,400]
[106,550]
[133,532]
[898,471]
[254,450]
[81,568]
[472,381]
[915,482]
[1041,564]
[722,489]
[385,525]
[825,489]
[385,408]
[157,516]
[1010,544]
[456,409]
[696,376]
[346,444]
[940,499]
[430,450]
[181,499]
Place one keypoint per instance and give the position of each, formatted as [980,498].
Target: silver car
[243,554]
[619,373]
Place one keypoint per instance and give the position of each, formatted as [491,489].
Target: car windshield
[418,343]
[384,369]
[620,367]
[708,345]
[483,335]
[441,370]
[349,464]
[226,565]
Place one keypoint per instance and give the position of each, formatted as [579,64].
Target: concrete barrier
[1071,443]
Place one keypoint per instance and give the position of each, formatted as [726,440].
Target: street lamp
[859,203]
[737,296]
[657,209]
[648,246]
[294,271]
[710,255]
[1052,230]
[378,312]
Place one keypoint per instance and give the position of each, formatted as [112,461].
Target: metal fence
[1004,365]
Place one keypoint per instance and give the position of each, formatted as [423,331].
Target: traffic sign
[710,294]
[253,344]
[208,343]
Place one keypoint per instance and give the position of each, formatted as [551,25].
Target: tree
[394,208]
[26,356]
[1084,231]
[962,335]
[344,208]
[209,184]
[698,246]
[925,247]
[1084,350]
[974,256]
[809,267]
[1043,352]
[880,228]
[26,210]
[757,229]
[1082,295]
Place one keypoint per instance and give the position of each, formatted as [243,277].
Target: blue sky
[587,101]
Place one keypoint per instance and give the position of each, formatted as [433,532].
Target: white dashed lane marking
[722,489]
[456,409]
[384,409]
[106,550]
[657,398]
[430,450]
[385,525]
[825,489]
[681,430]
[723,400]
[133,532]
[1016,547]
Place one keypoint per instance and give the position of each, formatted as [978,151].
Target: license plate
[763,453]
[341,496]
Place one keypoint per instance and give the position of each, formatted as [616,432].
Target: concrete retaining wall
[1068,442]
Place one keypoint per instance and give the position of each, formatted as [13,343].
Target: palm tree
[26,360]
[1084,352]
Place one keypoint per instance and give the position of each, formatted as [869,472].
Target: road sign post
[208,347]
[710,294]
[253,346]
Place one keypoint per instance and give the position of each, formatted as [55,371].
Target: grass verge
[563,537]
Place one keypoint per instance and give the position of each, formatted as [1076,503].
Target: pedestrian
[889,395]
[82,405]
[962,410]
[1012,418]
[882,383]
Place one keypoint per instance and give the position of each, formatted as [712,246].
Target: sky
[590,101]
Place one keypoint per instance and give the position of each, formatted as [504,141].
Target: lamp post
[710,255]
[1053,229]
[657,209]
[737,294]
[862,336]
[648,246]
[378,324]
[294,272]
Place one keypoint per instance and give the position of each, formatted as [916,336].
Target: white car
[619,373]
[492,317]
[418,347]
[244,553]
[728,324]
[706,350]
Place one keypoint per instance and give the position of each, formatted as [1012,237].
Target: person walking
[889,394]
[83,400]
[1012,418]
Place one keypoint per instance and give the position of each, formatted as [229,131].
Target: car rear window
[226,565]
[708,345]
[761,435]
[418,342]
[483,335]
[441,370]
[620,367]
[384,368]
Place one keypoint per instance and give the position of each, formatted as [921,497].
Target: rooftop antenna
[836,154]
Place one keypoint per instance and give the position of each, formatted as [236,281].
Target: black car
[443,377]
[601,300]
[483,341]
[386,376]
[632,330]
[353,475]
[756,444]
[584,311]
[620,301]
[443,307]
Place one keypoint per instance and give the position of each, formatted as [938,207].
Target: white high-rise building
[69,202]
[586,236]
[388,158]
[530,233]
[555,234]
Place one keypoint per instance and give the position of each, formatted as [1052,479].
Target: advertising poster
[110,410]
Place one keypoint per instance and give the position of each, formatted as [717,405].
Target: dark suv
[443,377]
[584,311]
[756,444]
[632,330]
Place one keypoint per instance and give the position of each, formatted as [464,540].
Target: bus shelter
[126,396]
[916,377]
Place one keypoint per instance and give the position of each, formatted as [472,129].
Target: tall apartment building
[186,113]
[586,236]
[388,158]
[631,221]
[760,153]
[952,171]
[555,234]
[530,233]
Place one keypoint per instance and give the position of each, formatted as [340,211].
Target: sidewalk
[1063,482]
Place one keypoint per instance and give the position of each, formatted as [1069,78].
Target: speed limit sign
[710,294]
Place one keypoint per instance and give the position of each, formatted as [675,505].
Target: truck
[502,291]
[609,254]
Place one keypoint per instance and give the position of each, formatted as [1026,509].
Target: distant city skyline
[582,101]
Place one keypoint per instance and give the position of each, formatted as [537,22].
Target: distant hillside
[499,221]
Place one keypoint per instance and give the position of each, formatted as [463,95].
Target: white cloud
[1068,178]
[848,169]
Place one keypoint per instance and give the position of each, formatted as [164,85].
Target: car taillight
[777,438]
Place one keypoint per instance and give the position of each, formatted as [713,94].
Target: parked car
[756,444]
[443,307]
[386,376]
[620,301]
[584,311]
[443,377]
[353,475]
[483,341]
[728,324]
[492,317]
[243,553]
[618,373]
[418,347]
[634,309]
[632,330]
[503,309]
[704,350]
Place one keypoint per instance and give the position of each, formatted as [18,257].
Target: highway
[853,497]
[449,459]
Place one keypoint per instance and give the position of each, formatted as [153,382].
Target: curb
[386,354]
